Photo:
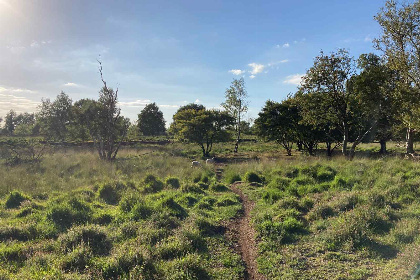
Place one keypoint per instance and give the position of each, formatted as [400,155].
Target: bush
[15,199]
[279,183]
[173,208]
[218,188]
[109,194]
[68,213]
[151,184]
[252,177]
[321,211]
[326,174]
[172,182]
[141,211]
[187,268]
[128,201]
[78,259]
[125,259]
[92,236]
[232,178]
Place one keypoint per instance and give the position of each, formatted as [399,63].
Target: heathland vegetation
[87,194]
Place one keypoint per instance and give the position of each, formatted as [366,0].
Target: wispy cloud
[252,76]
[293,79]
[135,103]
[72,85]
[256,68]
[271,64]
[236,72]
[10,99]
[286,45]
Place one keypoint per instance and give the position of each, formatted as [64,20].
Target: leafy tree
[324,130]
[150,121]
[400,42]
[10,122]
[335,102]
[55,117]
[278,122]
[236,104]
[203,127]
[326,82]
[375,87]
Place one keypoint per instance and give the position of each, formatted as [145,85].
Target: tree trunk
[345,140]
[299,146]
[352,150]
[329,150]
[239,128]
[382,151]
[409,141]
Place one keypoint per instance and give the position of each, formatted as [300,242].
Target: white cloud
[71,85]
[293,79]
[271,64]
[34,44]
[17,90]
[368,39]
[252,76]
[10,99]
[236,72]
[286,45]
[135,103]
[168,106]
[256,68]
[197,101]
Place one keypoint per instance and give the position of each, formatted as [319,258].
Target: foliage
[236,105]
[203,127]
[150,121]
[55,117]
[400,41]
[278,122]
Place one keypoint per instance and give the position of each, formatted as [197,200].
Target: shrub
[151,184]
[14,253]
[279,183]
[206,203]
[341,183]
[93,236]
[325,174]
[187,268]
[226,201]
[173,208]
[272,195]
[347,202]
[128,201]
[232,178]
[191,188]
[15,199]
[78,259]
[172,182]
[218,188]
[141,211]
[68,213]
[122,262]
[207,228]
[252,177]
[109,194]
[321,211]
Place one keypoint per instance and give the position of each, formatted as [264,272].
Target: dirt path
[241,231]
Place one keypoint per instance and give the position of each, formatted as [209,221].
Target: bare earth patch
[241,232]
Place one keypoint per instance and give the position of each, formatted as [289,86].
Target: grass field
[149,215]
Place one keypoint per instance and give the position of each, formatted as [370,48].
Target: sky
[171,52]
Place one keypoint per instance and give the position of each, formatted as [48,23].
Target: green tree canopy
[203,127]
[150,121]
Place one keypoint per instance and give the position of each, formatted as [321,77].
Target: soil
[241,232]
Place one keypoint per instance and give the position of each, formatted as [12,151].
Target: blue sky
[171,52]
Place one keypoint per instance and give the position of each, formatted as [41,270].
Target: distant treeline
[341,102]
